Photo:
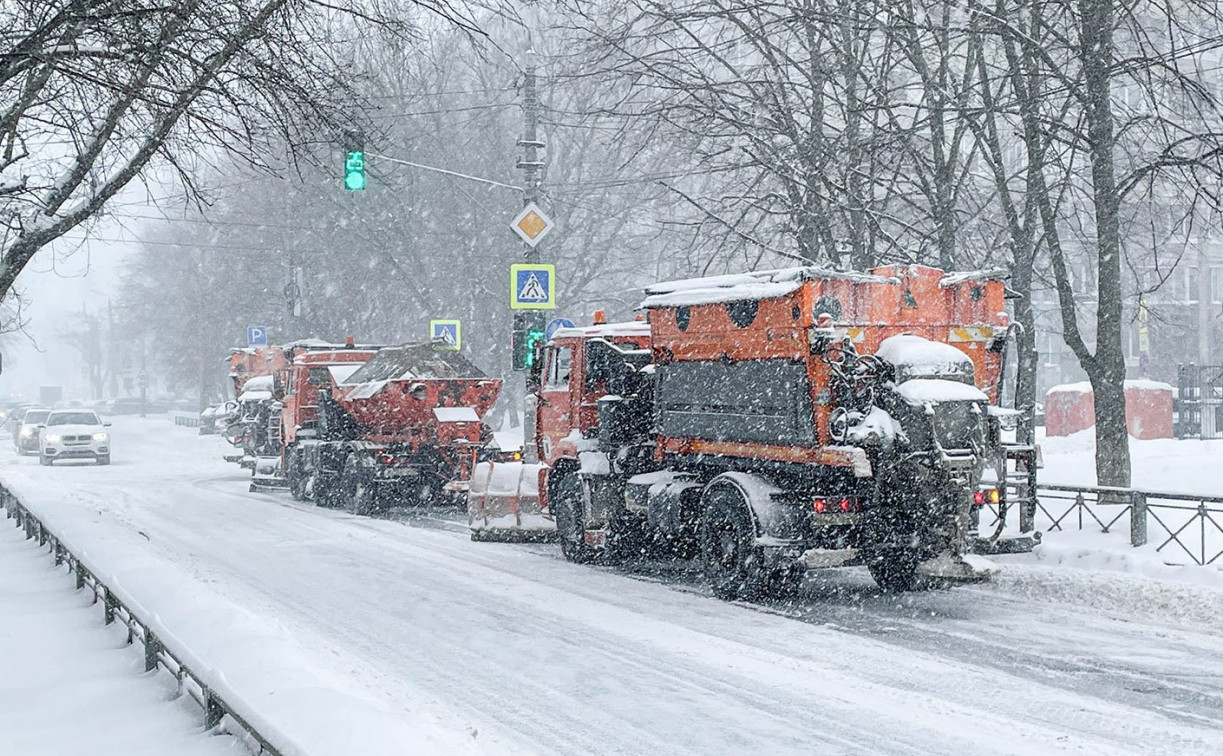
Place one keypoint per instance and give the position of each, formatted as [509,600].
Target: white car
[74,434]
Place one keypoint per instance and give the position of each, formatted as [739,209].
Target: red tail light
[986,495]
[822,505]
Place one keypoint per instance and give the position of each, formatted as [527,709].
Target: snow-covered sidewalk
[69,685]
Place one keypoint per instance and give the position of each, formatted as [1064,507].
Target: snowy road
[530,654]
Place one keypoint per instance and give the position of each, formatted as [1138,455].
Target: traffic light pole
[526,321]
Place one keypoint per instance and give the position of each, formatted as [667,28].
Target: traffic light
[354,161]
[526,346]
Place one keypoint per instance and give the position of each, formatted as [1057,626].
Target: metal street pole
[532,169]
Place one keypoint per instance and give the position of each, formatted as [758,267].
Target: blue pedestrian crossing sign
[256,335]
[446,334]
[532,287]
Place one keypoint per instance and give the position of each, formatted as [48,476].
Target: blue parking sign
[532,287]
[446,334]
[256,335]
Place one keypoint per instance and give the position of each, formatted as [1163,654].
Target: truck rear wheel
[894,570]
[733,562]
[295,472]
[568,506]
[360,492]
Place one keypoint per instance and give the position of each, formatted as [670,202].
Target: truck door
[555,414]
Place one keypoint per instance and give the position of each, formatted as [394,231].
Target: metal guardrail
[1185,523]
[157,652]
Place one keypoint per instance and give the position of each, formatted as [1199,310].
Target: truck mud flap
[503,503]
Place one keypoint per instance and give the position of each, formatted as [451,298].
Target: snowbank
[71,686]
[252,663]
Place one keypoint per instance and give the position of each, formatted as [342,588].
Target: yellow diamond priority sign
[532,224]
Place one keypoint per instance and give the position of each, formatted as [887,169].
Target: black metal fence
[1180,525]
[157,652]
[1198,406]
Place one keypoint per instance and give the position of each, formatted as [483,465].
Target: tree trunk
[1107,369]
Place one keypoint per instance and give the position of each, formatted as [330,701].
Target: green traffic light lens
[354,171]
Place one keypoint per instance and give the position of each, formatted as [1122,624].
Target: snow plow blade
[267,475]
[1021,544]
[503,503]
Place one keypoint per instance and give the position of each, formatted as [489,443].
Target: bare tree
[1091,159]
[95,93]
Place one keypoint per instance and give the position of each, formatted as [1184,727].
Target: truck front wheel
[567,505]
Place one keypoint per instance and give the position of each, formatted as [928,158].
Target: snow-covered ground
[352,635]
[1168,465]
[71,686]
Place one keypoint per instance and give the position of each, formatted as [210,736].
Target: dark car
[130,405]
[25,437]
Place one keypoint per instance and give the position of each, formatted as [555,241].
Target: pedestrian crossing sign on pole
[446,335]
[532,286]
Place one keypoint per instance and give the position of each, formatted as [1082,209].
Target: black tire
[736,567]
[104,460]
[568,507]
[728,551]
[44,460]
[895,570]
[295,474]
[327,491]
[360,494]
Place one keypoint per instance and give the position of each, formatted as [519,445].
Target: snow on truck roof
[922,356]
[771,284]
[762,284]
[258,383]
[606,330]
[414,361]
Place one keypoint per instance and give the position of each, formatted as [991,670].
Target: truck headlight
[100,436]
[51,438]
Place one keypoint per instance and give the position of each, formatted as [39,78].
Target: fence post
[80,574]
[151,647]
[1138,518]
[213,712]
[1027,508]
[108,604]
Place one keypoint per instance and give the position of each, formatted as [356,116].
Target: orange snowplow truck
[369,430]
[772,423]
